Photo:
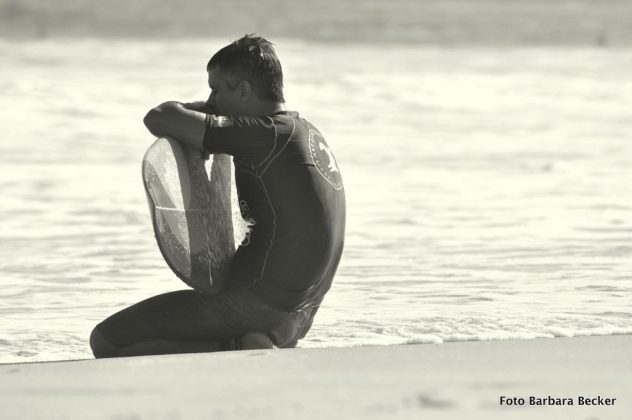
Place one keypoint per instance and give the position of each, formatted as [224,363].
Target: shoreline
[449,380]
[344,348]
[431,22]
[285,40]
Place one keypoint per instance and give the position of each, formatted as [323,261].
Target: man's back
[291,190]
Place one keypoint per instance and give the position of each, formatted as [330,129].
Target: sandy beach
[486,155]
[445,381]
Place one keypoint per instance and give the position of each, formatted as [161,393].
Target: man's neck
[268,108]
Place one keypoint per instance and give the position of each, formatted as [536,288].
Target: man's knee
[100,345]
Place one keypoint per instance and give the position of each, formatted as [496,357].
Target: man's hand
[174,120]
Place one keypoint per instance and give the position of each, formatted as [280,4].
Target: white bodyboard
[195,216]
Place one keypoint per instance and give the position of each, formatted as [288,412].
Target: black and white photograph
[325,209]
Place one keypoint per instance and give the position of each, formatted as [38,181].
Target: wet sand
[445,381]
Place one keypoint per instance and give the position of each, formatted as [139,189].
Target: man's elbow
[152,122]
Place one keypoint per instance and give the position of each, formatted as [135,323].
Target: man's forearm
[200,106]
[175,120]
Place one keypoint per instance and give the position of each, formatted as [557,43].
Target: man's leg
[186,321]
[102,347]
[168,323]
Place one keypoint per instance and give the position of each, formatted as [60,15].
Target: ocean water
[488,189]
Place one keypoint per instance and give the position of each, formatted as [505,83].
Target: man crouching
[290,190]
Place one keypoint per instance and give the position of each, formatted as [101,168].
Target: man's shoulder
[284,117]
[294,124]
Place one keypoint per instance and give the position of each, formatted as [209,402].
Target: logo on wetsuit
[220,121]
[324,160]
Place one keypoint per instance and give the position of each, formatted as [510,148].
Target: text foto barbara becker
[556,401]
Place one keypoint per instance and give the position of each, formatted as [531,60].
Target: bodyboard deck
[192,213]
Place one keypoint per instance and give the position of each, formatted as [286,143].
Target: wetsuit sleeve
[249,138]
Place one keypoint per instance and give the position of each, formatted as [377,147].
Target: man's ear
[245,90]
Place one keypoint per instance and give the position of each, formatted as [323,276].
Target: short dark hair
[252,58]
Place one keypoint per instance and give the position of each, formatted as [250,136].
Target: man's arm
[173,119]
[200,106]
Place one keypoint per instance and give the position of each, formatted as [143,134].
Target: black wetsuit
[290,189]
